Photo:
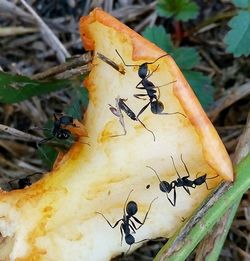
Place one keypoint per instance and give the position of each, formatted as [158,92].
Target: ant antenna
[185,165]
[175,167]
[124,208]
[142,223]
[146,128]
[131,65]
[155,173]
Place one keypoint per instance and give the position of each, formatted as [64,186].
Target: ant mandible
[127,221]
[117,111]
[184,182]
[156,105]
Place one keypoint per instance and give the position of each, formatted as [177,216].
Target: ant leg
[187,171]
[140,95]
[116,223]
[142,110]
[133,227]
[186,188]
[121,233]
[173,203]
[172,113]
[142,223]
[128,250]
[210,178]
[146,128]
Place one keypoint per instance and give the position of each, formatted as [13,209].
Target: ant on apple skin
[23,182]
[185,182]
[117,111]
[127,226]
[156,105]
[58,131]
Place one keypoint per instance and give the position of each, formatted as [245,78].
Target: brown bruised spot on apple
[99,177]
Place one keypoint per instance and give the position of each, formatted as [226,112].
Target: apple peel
[56,219]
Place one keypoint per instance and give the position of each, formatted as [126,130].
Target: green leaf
[201,85]
[242,3]
[238,38]
[48,155]
[48,151]
[79,97]
[158,35]
[15,88]
[186,57]
[182,10]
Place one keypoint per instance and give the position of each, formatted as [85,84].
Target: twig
[243,146]
[48,35]
[218,232]
[73,63]
[213,19]
[18,133]
[16,30]
[231,96]
[148,20]
[9,7]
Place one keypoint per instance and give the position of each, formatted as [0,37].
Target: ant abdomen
[157,107]
[200,180]
[130,240]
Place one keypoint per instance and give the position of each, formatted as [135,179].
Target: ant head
[165,186]
[131,208]
[157,107]
[130,240]
[143,70]
[22,183]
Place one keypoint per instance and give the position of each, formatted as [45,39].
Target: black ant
[23,182]
[58,130]
[117,111]
[156,105]
[184,182]
[128,226]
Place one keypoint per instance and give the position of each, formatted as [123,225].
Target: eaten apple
[57,218]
